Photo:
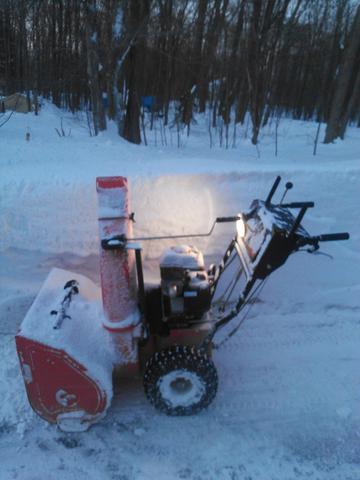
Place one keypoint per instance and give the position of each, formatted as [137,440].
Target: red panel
[56,383]
[115,284]
[118,284]
[115,265]
[111,182]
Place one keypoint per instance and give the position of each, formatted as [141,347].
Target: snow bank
[48,195]
[14,408]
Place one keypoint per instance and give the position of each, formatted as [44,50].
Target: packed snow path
[288,404]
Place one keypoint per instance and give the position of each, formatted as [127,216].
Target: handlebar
[273,190]
[297,205]
[325,237]
[227,219]
[329,237]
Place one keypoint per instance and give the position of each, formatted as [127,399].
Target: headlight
[173,290]
[241,227]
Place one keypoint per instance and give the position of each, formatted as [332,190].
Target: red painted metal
[56,383]
[111,182]
[117,266]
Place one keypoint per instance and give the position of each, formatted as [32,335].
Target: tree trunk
[138,18]
[132,118]
[198,57]
[339,114]
[351,105]
[93,72]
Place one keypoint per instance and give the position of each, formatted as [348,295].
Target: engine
[184,284]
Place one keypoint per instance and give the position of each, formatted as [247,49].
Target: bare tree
[138,16]
[93,68]
[345,93]
[258,59]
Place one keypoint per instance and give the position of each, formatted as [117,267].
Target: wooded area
[117,58]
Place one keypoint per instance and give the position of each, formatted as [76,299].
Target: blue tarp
[148,101]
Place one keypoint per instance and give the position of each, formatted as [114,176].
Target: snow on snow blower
[71,347]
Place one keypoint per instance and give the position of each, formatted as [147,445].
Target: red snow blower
[72,347]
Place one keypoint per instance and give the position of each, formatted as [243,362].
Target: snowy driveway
[288,404]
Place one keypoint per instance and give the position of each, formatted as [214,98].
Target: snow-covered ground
[288,404]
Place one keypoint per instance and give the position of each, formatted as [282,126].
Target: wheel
[180,380]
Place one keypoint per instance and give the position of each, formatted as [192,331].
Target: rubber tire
[186,358]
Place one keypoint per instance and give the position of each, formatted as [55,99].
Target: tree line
[230,58]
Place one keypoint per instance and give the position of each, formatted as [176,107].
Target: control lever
[288,186]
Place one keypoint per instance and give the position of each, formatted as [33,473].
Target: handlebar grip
[227,219]
[297,205]
[329,237]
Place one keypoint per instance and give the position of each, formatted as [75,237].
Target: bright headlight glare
[173,290]
[241,227]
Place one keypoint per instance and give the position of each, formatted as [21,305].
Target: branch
[5,121]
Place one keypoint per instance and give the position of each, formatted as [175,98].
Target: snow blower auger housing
[71,349]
